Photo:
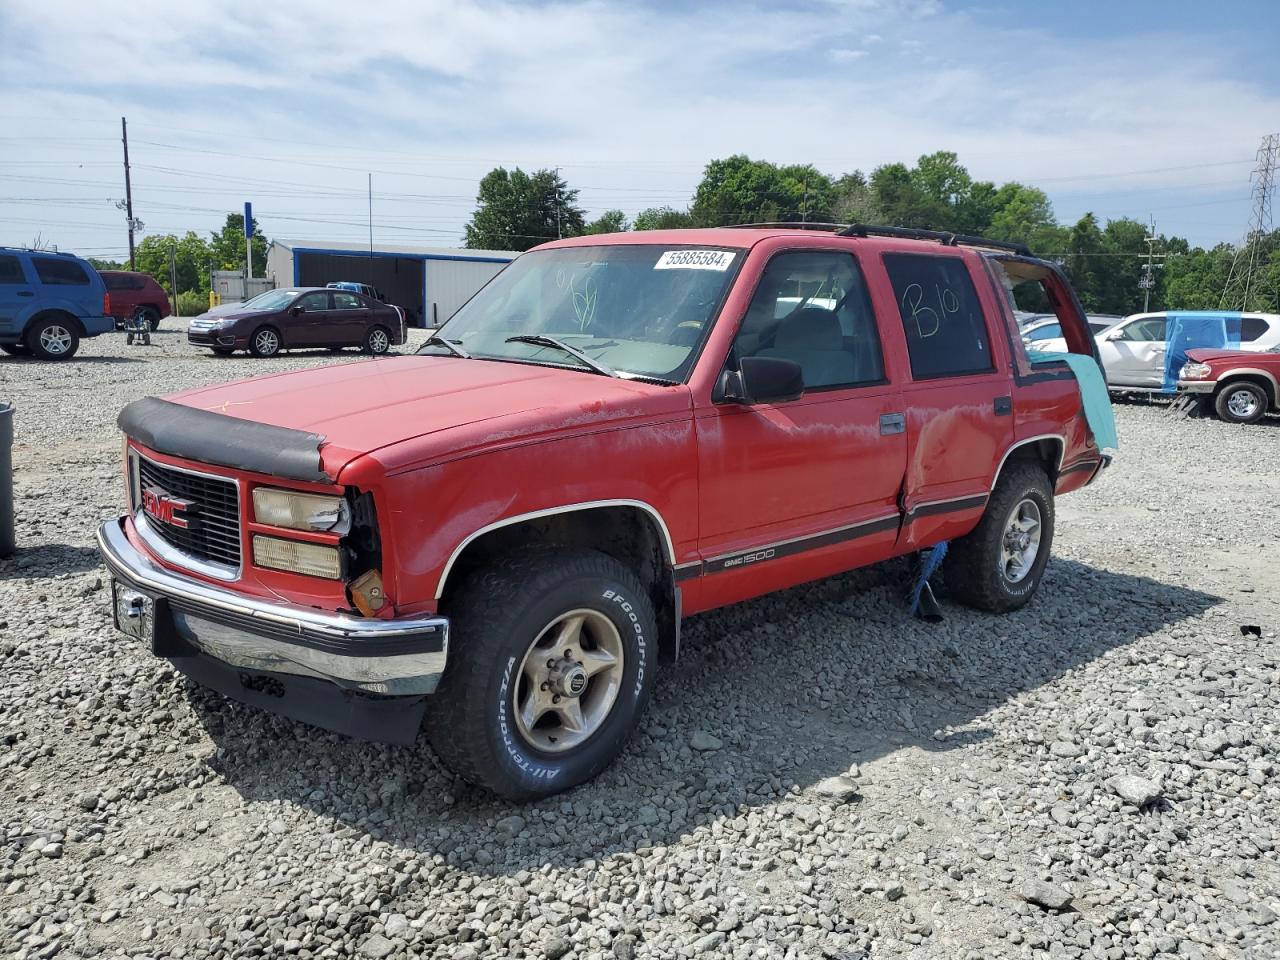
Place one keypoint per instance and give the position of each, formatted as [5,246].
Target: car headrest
[811,328]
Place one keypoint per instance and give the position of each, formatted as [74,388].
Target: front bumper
[402,657]
[1196,386]
[210,337]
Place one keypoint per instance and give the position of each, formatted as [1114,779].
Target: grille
[214,519]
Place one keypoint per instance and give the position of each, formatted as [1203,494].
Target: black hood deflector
[216,438]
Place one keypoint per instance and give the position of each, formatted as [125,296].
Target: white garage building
[429,282]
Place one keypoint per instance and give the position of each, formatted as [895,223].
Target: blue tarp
[1192,329]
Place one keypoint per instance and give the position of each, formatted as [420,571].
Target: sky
[1140,109]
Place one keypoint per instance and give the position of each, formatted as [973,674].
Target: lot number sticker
[694,260]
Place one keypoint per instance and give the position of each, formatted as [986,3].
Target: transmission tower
[1245,267]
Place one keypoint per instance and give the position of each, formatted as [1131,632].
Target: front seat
[812,338]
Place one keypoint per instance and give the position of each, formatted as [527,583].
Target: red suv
[502,533]
[136,294]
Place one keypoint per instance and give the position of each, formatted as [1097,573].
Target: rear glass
[1251,328]
[941,315]
[60,272]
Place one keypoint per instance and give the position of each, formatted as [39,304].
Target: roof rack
[945,238]
[787,224]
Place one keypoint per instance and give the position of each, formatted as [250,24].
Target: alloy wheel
[55,339]
[568,681]
[1020,544]
[267,342]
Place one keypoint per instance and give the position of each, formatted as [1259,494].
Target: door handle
[891,423]
[26,293]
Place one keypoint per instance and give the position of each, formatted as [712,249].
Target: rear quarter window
[1252,328]
[11,270]
[60,272]
[941,315]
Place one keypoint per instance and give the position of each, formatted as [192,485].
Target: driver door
[1133,354]
[309,328]
[797,490]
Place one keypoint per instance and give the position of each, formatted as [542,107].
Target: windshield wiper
[542,340]
[449,345]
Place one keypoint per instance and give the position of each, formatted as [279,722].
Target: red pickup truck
[500,534]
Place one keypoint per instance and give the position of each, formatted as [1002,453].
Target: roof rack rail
[788,224]
[943,237]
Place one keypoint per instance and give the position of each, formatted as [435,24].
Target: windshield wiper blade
[449,345]
[542,340]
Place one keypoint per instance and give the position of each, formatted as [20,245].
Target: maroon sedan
[299,317]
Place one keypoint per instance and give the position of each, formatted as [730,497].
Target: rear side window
[1251,328]
[60,272]
[11,270]
[347,301]
[941,315]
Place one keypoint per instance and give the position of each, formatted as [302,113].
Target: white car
[1047,334]
[1133,350]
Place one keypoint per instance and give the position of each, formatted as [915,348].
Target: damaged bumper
[359,676]
[1196,386]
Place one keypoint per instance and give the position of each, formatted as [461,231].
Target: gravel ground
[821,776]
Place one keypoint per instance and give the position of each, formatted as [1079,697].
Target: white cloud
[630,99]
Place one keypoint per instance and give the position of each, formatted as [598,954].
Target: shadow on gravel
[78,359]
[798,686]
[40,561]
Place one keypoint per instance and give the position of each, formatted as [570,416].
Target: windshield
[641,310]
[271,300]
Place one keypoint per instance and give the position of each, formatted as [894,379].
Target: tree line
[517,210]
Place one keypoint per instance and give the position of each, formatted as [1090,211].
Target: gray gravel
[821,776]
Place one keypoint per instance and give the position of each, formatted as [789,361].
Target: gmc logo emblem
[166,509]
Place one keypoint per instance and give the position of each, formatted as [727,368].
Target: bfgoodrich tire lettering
[497,616]
[976,570]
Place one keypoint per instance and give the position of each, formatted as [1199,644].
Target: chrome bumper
[390,657]
[1197,386]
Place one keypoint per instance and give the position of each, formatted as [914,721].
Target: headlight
[310,559]
[300,511]
[1195,371]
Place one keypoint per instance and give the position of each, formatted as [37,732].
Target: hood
[226,311]
[447,404]
[1251,357]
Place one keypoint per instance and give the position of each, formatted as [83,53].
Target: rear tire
[53,338]
[151,316]
[377,341]
[1241,402]
[516,622]
[265,342]
[999,565]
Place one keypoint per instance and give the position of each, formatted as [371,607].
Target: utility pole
[1242,279]
[1148,279]
[558,234]
[804,204]
[173,276]
[128,186]
[370,216]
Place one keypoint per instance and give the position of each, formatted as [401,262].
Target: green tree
[662,218]
[741,190]
[98,264]
[227,246]
[611,221]
[516,210]
[1084,249]
[191,256]
[903,200]
[854,201]
[1024,215]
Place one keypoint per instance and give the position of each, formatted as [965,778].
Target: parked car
[1047,334]
[1239,386]
[1134,350]
[49,302]
[362,288]
[502,532]
[136,295]
[300,317]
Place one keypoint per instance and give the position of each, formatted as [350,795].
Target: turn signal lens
[300,511]
[367,593]
[309,559]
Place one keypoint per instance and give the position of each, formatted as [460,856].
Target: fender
[553,511]
[1057,437]
[1233,373]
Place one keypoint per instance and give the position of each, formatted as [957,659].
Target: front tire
[999,565]
[265,342]
[550,672]
[53,338]
[1241,402]
[15,349]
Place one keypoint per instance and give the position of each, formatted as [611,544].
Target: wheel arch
[51,312]
[631,531]
[1046,448]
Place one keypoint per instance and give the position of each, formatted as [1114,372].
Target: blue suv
[48,301]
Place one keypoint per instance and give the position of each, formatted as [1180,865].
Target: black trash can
[6,479]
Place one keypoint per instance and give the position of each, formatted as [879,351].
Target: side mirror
[764,380]
[295,310]
[1114,335]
